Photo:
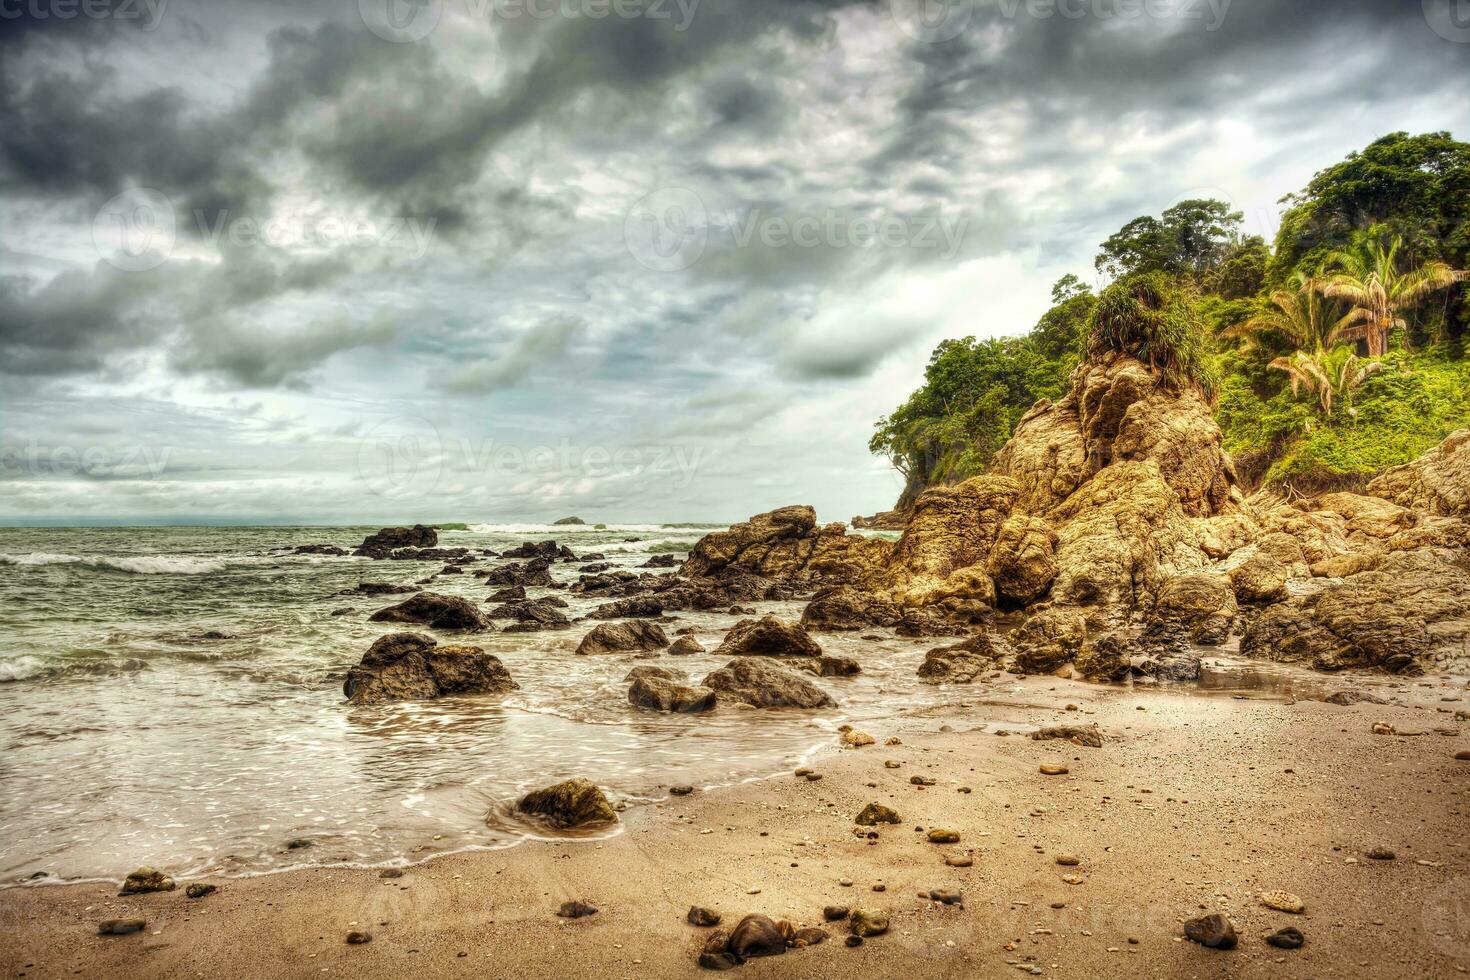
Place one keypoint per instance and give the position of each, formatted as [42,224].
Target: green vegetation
[1335,352]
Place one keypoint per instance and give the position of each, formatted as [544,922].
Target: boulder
[573,803]
[943,552]
[757,681]
[1436,483]
[1104,658]
[383,543]
[962,663]
[787,544]
[1048,639]
[686,645]
[1023,560]
[767,637]
[545,550]
[544,613]
[1259,580]
[532,573]
[634,636]
[568,520]
[318,549]
[412,666]
[843,607]
[642,605]
[443,612]
[755,935]
[662,694]
[825,666]
[656,671]
[146,880]
[1200,603]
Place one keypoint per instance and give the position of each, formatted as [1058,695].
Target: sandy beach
[1193,804]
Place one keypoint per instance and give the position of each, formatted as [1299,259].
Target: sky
[631,260]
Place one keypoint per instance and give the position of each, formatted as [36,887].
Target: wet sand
[1193,804]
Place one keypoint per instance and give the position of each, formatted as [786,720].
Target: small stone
[297,843]
[701,916]
[1068,860]
[359,938]
[866,922]
[845,882]
[880,887]
[856,739]
[853,941]
[147,880]
[120,927]
[941,836]
[1053,769]
[809,936]
[1463,755]
[680,790]
[1283,902]
[945,896]
[834,913]
[921,781]
[1288,938]
[802,771]
[391,873]
[1382,854]
[1073,879]
[576,910]
[876,813]
[892,740]
[812,777]
[199,889]
[891,764]
[1211,931]
[756,935]
[959,860]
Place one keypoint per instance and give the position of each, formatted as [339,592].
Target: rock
[297,843]
[661,561]
[1088,736]
[389,539]
[810,936]
[843,607]
[825,666]
[959,860]
[1463,755]
[358,938]
[200,889]
[1347,698]
[568,520]
[508,595]
[1383,728]
[318,549]
[146,880]
[1381,854]
[834,913]
[573,803]
[1068,860]
[1283,902]
[641,606]
[532,573]
[1203,603]
[435,611]
[1054,769]
[659,694]
[962,663]
[1105,658]
[686,645]
[787,544]
[379,588]
[1289,937]
[412,666]
[753,936]
[767,637]
[1022,561]
[759,682]
[576,910]
[1048,640]
[120,927]
[656,672]
[541,613]
[681,790]
[1259,579]
[1214,931]
[942,836]
[1436,483]
[542,550]
[853,941]
[945,896]
[630,637]
[876,813]
[863,923]
[700,916]
[856,739]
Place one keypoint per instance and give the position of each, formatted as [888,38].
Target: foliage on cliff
[1303,397]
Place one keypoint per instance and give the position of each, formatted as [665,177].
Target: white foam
[21,668]
[137,564]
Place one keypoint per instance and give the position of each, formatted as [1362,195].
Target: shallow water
[129,739]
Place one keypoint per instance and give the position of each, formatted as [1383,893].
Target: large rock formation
[787,543]
[383,543]
[412,666]
[1436,483]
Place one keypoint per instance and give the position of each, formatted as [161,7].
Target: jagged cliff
[1113,521]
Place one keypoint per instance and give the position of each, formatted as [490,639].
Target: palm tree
[1368,277]
[1346,374]
[1300,317]
[1331,376]
[1307,370]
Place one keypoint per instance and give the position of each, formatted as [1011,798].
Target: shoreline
[1192,804]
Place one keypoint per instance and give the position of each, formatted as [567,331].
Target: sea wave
[582,528]
[135,564]
[651,546]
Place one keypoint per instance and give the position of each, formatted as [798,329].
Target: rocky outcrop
[884,520]
[534,614]
[634,636]
[757,681]
[843,607]
[1201,605]
[568,520]
[383,543]
[412,666]
[787,544]
[443,612]
[532,573]
[940,559]
[1436,483]
[573,803]
[768,636]
[1023,559]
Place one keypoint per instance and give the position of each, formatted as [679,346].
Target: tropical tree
[1299,317]
[1334,377]
[1368,277]
[1157,321]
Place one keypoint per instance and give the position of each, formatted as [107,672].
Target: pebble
[880,887]
[391,873]
[120,927]
[576,910]
[941,836]
[701,916]
[1283,902]
[359,938]
[1288,938]
[833,913]
[1068,860]
[200,889]
[945,896]
[959,860]
[1211,931]
[1073,879]
[856,739]
[854,941]
[867,922]
[845,882]
[891,763]
[921,780]
[1463,755]
[1053,769]
[1382,854]
[680,790]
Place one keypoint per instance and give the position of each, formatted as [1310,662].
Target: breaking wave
[137,564]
